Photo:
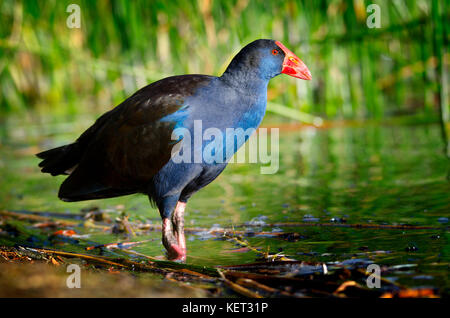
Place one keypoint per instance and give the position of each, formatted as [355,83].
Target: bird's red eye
[274,52]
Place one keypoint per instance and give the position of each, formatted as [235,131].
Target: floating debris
[411,248]
[122,225]
[338,220]
[64,233]
[277,275]
[412,293]
[443,220]
[120,245]
[356,261]
[257,221]
[310,218]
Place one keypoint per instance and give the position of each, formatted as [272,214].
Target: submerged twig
[77,255]
[266,255]
[247,282]
[120,245]
[238,288]
[34,217]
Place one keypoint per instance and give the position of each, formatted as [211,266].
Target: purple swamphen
[130,148]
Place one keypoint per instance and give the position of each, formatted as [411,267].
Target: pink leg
[178,222]
[173,234]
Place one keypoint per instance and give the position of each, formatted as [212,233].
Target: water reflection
[366,174]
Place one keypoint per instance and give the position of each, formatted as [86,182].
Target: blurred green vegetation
[358,72]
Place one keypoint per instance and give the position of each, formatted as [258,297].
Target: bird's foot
[175,251]
[176,254]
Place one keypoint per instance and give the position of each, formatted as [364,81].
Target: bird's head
[267,59]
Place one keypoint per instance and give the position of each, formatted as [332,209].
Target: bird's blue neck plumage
[236,100]
[249,75]
[252,88]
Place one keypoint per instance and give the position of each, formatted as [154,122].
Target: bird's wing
[131,143]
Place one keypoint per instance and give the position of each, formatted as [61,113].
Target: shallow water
[368,174]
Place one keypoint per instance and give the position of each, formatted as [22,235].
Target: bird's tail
[60,160]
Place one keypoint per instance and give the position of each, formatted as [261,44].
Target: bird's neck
[252,91]
[247,81]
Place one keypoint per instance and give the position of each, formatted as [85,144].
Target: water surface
[368,174]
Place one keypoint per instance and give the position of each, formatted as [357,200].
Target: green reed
[358,72]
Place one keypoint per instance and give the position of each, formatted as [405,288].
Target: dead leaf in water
[65,233]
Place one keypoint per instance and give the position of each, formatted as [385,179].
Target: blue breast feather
[219,109]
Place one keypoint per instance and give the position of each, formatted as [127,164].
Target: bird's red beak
[292,65]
